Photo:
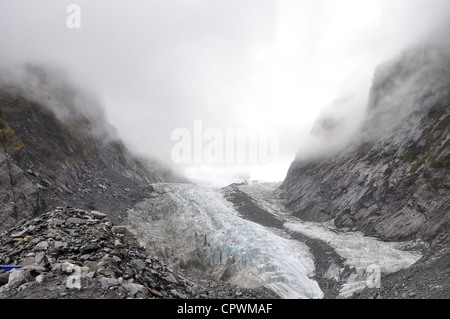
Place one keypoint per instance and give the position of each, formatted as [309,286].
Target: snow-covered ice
[359,251]
[196,226]
[200,228]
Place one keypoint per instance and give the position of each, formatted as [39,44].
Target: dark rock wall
[48,159]
[392,180]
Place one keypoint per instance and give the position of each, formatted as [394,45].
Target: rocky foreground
[74,254]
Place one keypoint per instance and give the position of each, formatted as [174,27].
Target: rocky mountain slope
[392,180]
[57,148]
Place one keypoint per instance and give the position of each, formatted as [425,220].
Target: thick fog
[159,68]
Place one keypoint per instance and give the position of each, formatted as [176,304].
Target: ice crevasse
[196,227]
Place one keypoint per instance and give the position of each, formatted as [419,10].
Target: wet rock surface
[429,278]
[75,254]
[49,158]
[391,181]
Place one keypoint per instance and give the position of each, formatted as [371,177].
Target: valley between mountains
[82,216]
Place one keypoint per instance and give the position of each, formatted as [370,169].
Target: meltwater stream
[197,227]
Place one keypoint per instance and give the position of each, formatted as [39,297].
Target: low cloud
[155,66]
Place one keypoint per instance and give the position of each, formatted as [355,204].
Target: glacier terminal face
[196,227]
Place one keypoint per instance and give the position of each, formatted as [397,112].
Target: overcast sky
[263,65]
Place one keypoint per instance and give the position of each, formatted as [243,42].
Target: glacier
[358,250]
[196,227]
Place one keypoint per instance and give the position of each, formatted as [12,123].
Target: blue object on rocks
[9,267]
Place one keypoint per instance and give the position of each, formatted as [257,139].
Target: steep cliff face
[392,180]
[57,149]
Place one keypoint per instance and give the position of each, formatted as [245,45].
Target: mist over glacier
[157,66]
[352,95]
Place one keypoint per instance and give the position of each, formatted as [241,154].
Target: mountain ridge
[392,181]
[58,149]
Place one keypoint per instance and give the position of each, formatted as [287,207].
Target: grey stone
[60,245]
[42,260]
[19,234]
[138,264]
[108,282]
[43,245]
[28,261]
[119,229]
[19,276]
[85,257]
[91,247]
[79,278]
[4,278]
[40,278]
[76,221]
[133,289]
[118,244]
[170,278]
[91,264]
[153,272]
[97,214]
